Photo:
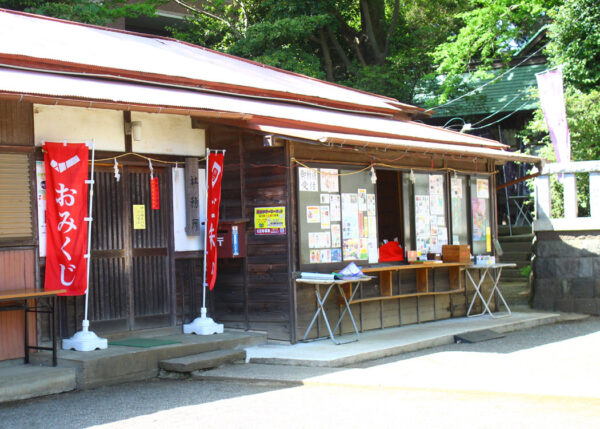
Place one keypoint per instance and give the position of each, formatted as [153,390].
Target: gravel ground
[193,403]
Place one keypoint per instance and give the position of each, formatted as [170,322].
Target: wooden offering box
[456,253]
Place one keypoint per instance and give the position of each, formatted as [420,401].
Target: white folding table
[494,271]
[322,298]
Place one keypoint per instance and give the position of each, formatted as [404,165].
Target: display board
[431,228]
[480,207]
[337,216]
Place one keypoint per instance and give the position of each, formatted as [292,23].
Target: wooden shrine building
[316,176]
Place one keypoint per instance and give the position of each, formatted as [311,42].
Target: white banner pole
[204,325]
[203,310]
[85,340]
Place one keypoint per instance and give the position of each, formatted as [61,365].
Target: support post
[86,340]
[204,325]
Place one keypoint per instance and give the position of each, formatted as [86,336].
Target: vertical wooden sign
[192,204]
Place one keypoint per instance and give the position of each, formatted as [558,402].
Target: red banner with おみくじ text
[213,199]
[66,197]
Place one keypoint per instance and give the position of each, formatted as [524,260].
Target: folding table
[347,297]
[494,271]
[20,297]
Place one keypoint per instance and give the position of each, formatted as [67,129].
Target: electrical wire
[497,111]
[488,82]
[503,118]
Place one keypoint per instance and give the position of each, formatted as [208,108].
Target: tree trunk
[326,54]
[373,25]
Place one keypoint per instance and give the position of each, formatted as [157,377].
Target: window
[15,197]
[459,207]
[337,217]
[481,215]
[431,229]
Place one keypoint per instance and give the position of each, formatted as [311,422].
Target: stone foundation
[567,271]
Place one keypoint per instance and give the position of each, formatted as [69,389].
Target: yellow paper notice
[488,239]
[139,216]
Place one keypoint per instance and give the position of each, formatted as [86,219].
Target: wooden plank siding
[17,270]
[18,257]
[253,292]
[378,315]
[16,123]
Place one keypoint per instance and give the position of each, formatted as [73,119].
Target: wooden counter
[422,279]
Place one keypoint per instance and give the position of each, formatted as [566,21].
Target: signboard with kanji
[269,221]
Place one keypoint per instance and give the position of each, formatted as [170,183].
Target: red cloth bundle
[391,251]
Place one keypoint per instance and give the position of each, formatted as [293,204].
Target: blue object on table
[351,271]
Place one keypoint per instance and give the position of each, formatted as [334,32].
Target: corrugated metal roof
[50,39]
[511,92]
[399,144]
[51,85]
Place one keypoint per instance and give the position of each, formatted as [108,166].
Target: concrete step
[512,275]
[528,237]
[516,246]
[203,360]
[118,364]
[503,230]
[24,381]
[513,256]
[515,293]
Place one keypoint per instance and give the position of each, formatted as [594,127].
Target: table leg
[53,317]
[320,308]
[347,309]
[478,293]
[26,336]
[496,280]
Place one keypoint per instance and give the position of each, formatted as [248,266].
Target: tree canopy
[389,47]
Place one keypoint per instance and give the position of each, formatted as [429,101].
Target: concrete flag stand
[204,325]
[86,340]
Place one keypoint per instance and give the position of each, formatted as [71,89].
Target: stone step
[512,275]
[199,361]
[515,293]
[514,256]
[516,238]
[516,246]
[503,230]
[24,381]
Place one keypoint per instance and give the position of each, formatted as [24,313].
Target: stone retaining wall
[566,271]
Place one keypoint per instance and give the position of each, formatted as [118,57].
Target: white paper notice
[308,180]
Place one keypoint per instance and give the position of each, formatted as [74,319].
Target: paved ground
[546,377]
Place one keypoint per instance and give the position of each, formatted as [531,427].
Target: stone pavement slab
[377,344]
[28,381]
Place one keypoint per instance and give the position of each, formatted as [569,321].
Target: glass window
[459,210]
[431,230]
[480,209]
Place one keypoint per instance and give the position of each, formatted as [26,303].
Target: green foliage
[525,271]
[575,42]
[332,39]
[583,117]
[492,31]
[87,11]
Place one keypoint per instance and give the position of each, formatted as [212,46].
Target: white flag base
[84,340]
[203,325]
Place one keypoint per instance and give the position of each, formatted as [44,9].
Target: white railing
[570,221]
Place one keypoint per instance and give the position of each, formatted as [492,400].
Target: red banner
[215,173]
[154,194]
[66,196]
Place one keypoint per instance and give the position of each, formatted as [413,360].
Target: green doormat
[142,342]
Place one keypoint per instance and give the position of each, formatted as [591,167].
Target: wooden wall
[16,123]
[17,270]
[253,292]
[385,314]
[17,259]
[258,292]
